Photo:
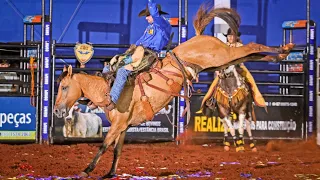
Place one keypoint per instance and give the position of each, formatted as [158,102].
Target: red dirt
[163,159]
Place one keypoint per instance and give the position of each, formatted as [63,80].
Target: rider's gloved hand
[106,69]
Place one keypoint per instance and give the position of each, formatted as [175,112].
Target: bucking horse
[153,89]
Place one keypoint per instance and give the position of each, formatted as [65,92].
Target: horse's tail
[206,14]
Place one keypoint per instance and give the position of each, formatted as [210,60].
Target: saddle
[149,59]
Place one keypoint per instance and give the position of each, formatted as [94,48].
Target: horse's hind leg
[116,154]
[259,48]
[227,120]
[248,128]
[251,48]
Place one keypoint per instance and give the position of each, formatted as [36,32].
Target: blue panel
[115,21]
[17,115]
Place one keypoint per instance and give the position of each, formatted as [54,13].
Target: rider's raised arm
[154,12]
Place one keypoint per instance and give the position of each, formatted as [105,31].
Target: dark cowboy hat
[146,12]
[230,32]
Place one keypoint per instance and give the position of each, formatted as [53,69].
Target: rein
[185,85]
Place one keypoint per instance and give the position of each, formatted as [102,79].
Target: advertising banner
[311,80]
[17,119]
[83,124]
[46,83]
[284,120]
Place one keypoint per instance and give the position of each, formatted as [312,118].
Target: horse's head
[230,79]
[229,71]
[69,92]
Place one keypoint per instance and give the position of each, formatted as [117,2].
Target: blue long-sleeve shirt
[157,34]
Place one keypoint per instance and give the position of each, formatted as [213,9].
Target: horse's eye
[64,88]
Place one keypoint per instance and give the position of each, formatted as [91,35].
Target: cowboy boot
[257,96]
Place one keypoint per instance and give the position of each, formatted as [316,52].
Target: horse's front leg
[227,124]
[227,120]
[226,143]
[115,130]
[116,155]
[240,141]
[95,160]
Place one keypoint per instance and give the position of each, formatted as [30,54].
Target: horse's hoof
[282,56]
[83,175]
[226,148]
[240,149]
[109,175]
[288,47]
[254,150]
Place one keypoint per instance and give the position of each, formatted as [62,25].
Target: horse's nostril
[63,113]
[56,111]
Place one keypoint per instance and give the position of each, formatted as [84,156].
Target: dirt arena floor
[274,160]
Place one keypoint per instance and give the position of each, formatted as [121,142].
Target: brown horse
[195,55]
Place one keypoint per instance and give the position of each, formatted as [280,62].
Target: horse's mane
[207,12]
[62,76]
[65,73]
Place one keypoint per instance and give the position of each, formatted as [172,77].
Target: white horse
[78,124]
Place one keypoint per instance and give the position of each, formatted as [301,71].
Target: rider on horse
[155,38]
[233,40]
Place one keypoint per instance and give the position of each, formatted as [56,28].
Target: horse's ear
[64,68]
[69,70]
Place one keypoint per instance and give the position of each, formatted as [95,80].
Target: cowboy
[155,38]
[233,40]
